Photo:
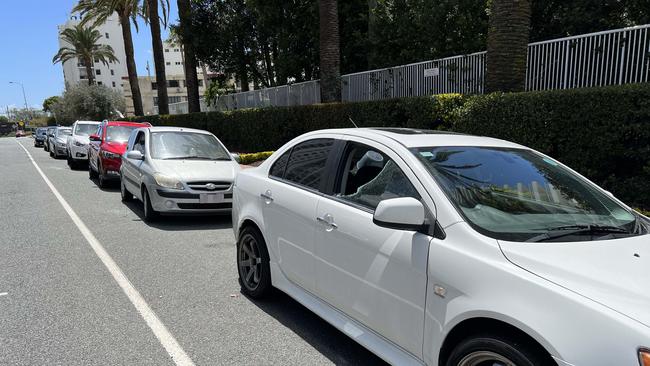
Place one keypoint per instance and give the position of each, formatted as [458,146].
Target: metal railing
[619,56]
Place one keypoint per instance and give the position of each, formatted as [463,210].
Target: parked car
[20,133]
[39,136]
[177,170]
[106,148]
[48,133]
[58,142]
[443,249]
[78,142]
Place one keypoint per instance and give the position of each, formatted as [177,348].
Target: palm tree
[191,79]
[150,11]
[330,59]
[507,45]
[84,47]
[98,11]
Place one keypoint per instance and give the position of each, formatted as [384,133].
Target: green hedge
[601,132]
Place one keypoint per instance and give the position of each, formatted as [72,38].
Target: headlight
[110,155]
[79,143]
[167,181]
[644,357]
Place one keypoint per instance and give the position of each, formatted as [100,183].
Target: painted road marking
[4,293]
[157,327]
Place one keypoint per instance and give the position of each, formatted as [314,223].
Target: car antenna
[351,120]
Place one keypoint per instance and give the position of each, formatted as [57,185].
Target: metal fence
[618,56]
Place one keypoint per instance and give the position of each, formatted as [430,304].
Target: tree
[150,10]
[84,47]
[507,45]
[4,119]
[49,102]
[330,59]
[90,102]
[187,38]
[127,11]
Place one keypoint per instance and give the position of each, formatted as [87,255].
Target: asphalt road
[60,305]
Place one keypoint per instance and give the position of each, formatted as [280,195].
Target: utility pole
[24,96]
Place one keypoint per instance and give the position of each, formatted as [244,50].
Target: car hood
[198,170]
[62,139]
[83,139]
[613,272]
[115,147]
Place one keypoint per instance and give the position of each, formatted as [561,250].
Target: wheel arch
[482,325]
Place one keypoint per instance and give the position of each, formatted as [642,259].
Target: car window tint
[369,176]
[307,162]
[278,168]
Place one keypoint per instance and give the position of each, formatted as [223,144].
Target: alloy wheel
[250,262]
[485,358]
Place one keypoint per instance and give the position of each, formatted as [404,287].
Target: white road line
[4,293]
[157,327]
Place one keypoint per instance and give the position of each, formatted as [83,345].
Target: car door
[375,275]
[93,148]
[290,197]
[131,168]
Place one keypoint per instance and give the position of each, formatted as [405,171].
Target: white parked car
[445,249]
[78,142]
[177,170]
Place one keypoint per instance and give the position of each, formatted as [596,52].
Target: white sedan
[443,249]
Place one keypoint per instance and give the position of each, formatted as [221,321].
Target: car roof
[412,137]
[88,122]
[63,128]
[127,123]
[176,129]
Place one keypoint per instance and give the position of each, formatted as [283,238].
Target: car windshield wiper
[568,230]
[190,158]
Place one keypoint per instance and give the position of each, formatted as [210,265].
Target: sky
[29,40]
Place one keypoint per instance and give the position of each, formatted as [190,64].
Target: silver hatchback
[177,170]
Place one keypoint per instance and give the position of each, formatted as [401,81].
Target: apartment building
[110,75]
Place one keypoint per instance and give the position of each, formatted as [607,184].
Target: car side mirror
[236,157]
[405,213]
[94,137]
[135,155]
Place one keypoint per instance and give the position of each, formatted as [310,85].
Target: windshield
[64,132]
[119,133]
[85,129]
[517,194]
[41,131]
[186,145]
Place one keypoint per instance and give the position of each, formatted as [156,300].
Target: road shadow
[111,185]
[181,222]
[329,341]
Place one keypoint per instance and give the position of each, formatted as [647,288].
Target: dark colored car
[48,133]
[106,148]
[39,136]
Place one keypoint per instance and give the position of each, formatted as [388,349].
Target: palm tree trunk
[330,59]
[125,22]
[507,45]
[158,57]
[191,77]
[89,70]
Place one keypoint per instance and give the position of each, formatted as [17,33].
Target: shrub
[600,132]
[251,158]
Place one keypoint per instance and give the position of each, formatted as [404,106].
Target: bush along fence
[603,133]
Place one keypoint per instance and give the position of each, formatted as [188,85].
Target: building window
[174,99]
[154,85]
[113,84]
[168,63]
[107,36]
[166,49]
[178,62]
[98,72]
[99,83]
[112,72]
[176,50]
[96,60]
[155,101]
[173,84]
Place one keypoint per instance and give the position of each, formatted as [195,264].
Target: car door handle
[267,196]
[327,220]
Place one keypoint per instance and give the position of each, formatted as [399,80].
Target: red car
[106,148]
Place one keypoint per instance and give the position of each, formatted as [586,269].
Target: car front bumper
[78,152]
[185,201]
[60,149]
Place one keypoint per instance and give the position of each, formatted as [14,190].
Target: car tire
[101,178]
[149,213]
[51,153]
[253,264]
[496,349]
[92,174]
[71,163]
[124,192]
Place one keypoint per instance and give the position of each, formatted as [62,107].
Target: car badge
[210,186]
